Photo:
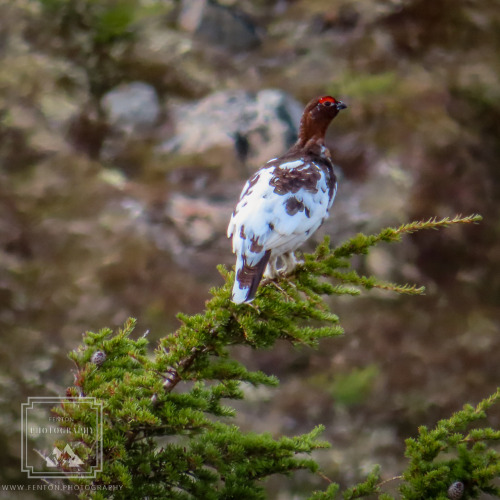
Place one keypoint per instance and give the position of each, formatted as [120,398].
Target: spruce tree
[166,428]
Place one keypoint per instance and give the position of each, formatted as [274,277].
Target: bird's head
[326,106]
[318,114]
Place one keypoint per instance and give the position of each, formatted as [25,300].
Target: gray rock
[239,125]
[132,107]
[218,25]
[198,220]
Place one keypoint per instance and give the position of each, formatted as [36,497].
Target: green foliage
[167,444]
[167,432]
[93,33]
[366,86]
[353,387]
[451,453]
[348,388]
[454,452]
[368,487]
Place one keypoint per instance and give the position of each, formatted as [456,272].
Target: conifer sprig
[451,461]
[334,263]
[473,462]
[360,244]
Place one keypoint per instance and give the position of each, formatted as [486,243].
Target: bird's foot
[290,262]
[271,271]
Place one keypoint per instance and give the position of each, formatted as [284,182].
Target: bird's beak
[341,105]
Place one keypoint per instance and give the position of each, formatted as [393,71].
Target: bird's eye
[327,101]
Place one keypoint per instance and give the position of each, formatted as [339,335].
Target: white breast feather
[262,217]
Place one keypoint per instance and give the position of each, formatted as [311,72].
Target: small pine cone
[98,358]
[456,490]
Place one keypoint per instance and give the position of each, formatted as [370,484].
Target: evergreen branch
[405,289]
[369,486]
[475,466]
[370,282]
[361,243]
[145,396]
[327,262]
[471,470]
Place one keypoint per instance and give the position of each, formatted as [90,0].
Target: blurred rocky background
[126,131]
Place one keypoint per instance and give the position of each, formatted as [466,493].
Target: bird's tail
[248,277]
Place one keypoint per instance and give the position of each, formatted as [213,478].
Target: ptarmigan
[284,203]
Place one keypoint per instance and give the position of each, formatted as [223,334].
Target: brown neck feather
[313,129]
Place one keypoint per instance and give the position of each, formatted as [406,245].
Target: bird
[283,203]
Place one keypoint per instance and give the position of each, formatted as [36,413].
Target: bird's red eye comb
[327,98]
